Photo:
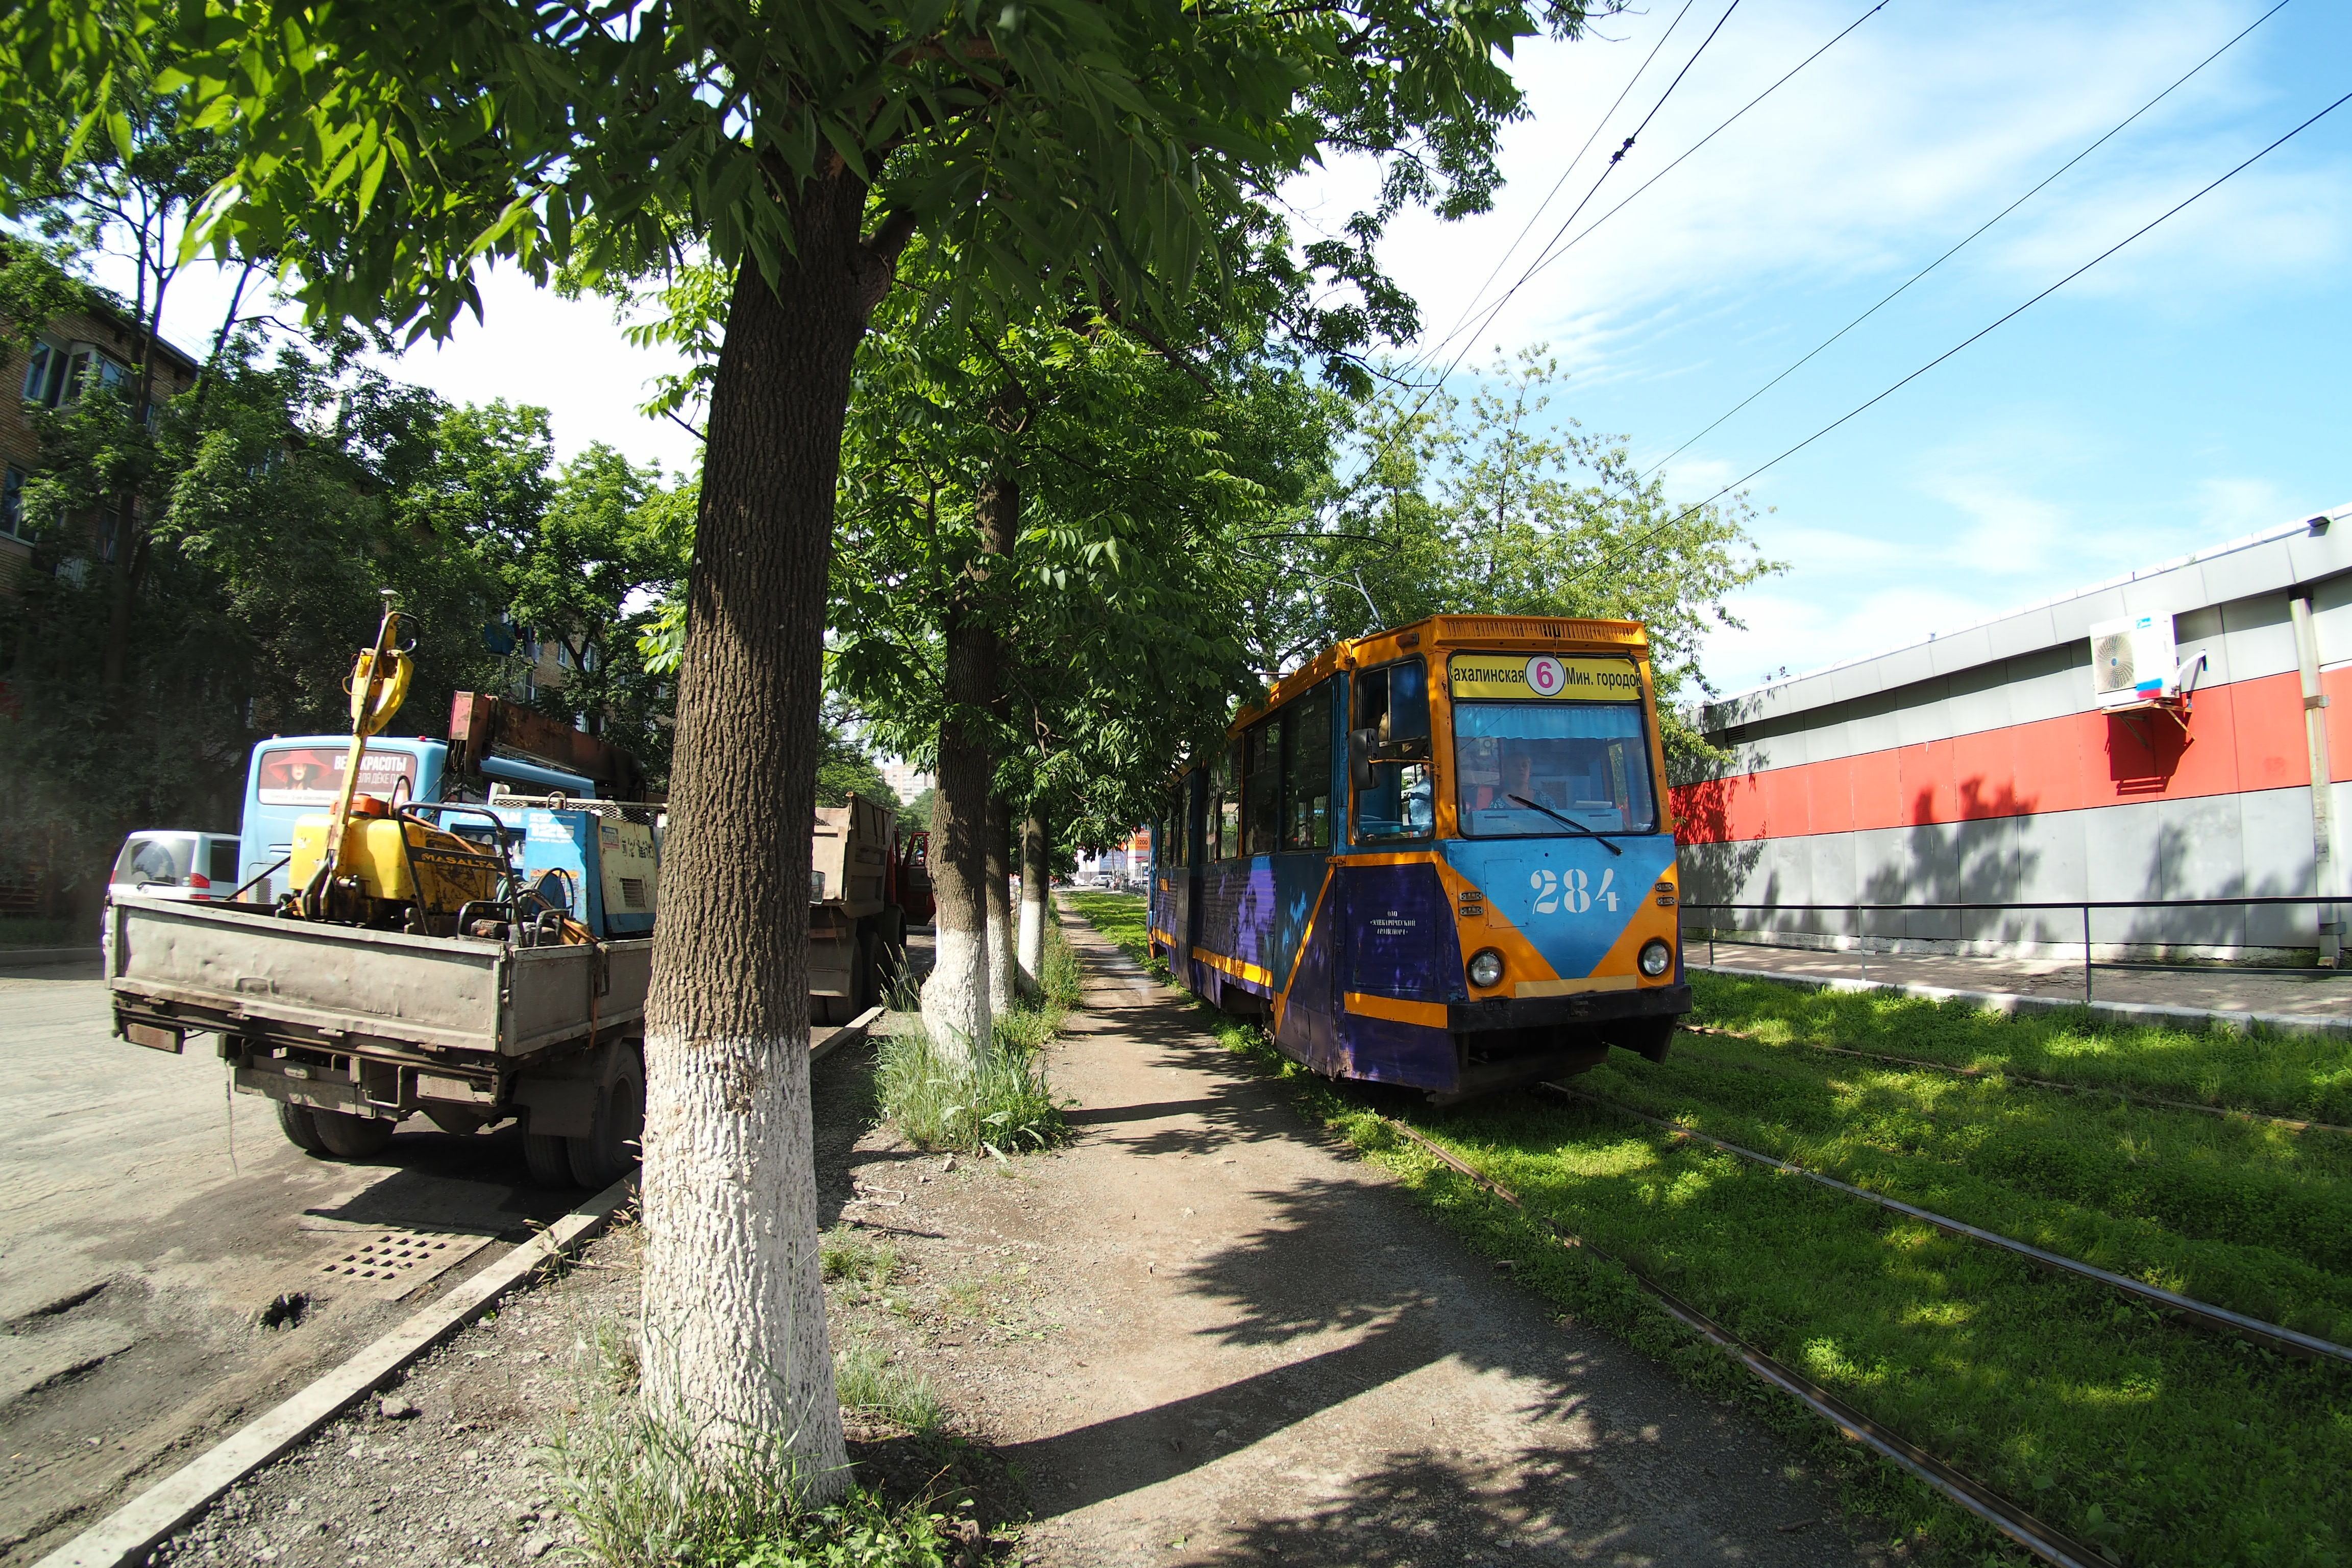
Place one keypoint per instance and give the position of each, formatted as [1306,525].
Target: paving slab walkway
[2305,993]
[1277,1357]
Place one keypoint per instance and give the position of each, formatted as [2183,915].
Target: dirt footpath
[1222,1338]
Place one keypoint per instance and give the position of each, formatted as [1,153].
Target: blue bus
[1438,856]
[292,775]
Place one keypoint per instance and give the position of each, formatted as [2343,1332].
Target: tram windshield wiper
[1590,833]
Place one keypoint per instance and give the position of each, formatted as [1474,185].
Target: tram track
[2226,1112]
[2278,1336]
[2004,1514]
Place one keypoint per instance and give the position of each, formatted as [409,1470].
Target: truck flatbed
[352,1030]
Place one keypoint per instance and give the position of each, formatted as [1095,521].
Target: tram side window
[1307,795]
[1392,703]
[1221,832]
[1262,782]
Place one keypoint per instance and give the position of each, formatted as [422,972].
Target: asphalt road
[152,1221]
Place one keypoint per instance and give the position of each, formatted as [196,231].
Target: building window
[93,369]
[57,375]
[45,374]
[12,505]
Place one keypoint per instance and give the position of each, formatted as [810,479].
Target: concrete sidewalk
[1292,1362]
[2317,998]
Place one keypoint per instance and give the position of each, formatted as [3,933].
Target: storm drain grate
[395,1262]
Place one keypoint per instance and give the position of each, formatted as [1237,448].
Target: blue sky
[2193,388]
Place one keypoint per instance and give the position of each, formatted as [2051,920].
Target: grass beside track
[2158,1442]
[2271,1072]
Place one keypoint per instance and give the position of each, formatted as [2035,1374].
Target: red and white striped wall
[1977,767]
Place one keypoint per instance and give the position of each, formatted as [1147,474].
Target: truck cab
[291,776]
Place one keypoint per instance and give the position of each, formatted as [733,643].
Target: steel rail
[2228,1111]
[2292,1340]
[2011,1520]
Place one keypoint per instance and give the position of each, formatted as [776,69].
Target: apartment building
[70,356]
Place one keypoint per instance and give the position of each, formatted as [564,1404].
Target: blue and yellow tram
[1438,857]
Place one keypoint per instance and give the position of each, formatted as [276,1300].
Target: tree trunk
[1034,875]
[1003,976]
[961,999]
[126,549]
[734,1339]
[957,1010]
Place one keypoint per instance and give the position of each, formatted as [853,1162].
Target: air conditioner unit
[2133,661]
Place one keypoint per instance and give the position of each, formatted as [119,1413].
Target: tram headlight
[1656,958]
[1486,968]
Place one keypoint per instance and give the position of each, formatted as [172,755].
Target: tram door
[1174,899]
[1192,794]
[1399,942]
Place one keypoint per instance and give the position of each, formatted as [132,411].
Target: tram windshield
[1588,761]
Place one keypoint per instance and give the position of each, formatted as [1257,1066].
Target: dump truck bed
[178,968]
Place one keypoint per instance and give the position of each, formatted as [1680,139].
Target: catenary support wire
[1972,235]
[1646,535]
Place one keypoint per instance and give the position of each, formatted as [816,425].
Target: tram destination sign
[1516,677]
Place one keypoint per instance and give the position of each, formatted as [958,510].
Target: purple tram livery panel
[1438,856]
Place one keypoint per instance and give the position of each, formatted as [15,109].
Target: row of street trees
[1011,375]
[244,529]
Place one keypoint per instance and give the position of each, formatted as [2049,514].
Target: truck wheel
[294,1121]
[610,1150]
[547,1159]
[350,1137]
[869,975]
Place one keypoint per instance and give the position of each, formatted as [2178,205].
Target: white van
[166,863]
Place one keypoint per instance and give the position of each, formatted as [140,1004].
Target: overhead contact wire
[1438,346]
[1607,169]
[1550,255]
[1690,511]
[1955,250]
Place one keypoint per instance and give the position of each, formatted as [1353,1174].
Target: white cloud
[2230,508]
[1800,633]
[1868,163]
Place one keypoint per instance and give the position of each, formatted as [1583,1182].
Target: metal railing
[2083,906]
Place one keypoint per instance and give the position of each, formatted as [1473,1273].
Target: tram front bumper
[1577,1009]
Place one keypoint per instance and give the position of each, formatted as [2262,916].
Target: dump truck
[857,928]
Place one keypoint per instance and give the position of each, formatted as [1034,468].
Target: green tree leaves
[1503,507]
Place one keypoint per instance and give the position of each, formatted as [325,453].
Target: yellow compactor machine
[377,863]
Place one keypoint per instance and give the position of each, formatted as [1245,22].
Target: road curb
[29,957]
[849,1034]
[2147,1013]
[124,1537]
